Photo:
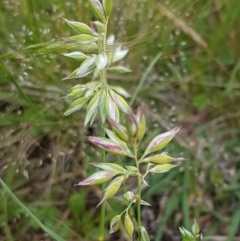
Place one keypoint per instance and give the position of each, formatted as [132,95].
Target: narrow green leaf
[234,225]
[46,229]
[76,105]
[107,4]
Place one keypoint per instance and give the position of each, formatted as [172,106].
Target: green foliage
[81,217]
[51,233]
[193,235]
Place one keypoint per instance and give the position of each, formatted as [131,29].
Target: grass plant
[105,100]
[190,83]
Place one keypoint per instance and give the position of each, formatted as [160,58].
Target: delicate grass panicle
[120,138]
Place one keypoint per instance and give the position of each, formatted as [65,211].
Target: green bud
[84,38]
[119,69]
[98,26]
[144,234]
[109,145]
[97,178]
[118,129]
[112,188]
[107,4]
[141,123]
[120,102]
[162,168]
[76,55]
[97,10]
[112,108]
[91,110]
[161,141]
[80,27]
[86,67]
[102,61]
[76,105]
[110,167]
[131,123]
[129,196]
[128,225]
[115,223]
[161,158]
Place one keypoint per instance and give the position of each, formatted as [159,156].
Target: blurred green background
[195,83]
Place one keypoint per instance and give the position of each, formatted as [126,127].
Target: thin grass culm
[122,129]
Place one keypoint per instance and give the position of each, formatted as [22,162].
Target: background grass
[194,83]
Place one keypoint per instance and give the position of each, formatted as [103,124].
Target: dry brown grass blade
[183,26]
[178,22]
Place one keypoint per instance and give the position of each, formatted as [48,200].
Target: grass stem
[103,206]
[144,76]
[139,206]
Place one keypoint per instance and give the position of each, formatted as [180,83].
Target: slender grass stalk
[144,76]
[31,215]
[139,220]
[103,206]
[32,10]
[139,193]
[6,228]
[103,78]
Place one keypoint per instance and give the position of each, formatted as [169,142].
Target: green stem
[103,206]
[139,193]
[103,79]
[139,206]
[143,78]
